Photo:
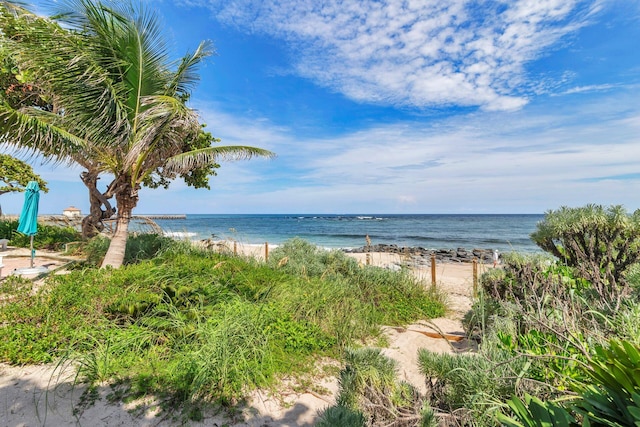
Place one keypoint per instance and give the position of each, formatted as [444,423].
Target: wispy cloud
[623,177]
[590,88]
[416,53]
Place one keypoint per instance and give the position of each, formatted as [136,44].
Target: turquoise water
[502,232]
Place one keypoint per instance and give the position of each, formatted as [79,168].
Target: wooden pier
[177,216]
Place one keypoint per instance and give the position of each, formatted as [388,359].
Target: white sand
[39,395]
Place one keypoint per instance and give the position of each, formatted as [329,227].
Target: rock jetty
[423,256]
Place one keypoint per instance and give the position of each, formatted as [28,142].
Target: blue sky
[406,106]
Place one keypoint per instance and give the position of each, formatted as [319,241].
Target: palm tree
[123,102]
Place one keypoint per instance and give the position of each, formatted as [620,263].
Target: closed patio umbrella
[28,222]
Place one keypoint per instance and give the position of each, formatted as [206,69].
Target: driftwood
[448,337]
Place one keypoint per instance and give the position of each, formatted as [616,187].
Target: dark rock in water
[423,256]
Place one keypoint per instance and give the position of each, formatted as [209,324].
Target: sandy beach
[44,395]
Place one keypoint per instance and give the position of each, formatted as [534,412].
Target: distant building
[72,212]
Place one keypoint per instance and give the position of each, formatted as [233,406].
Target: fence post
[433,270]
[235,248]
[266,251]
[475,276]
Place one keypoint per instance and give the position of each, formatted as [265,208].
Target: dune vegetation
[558,335]
[196,327]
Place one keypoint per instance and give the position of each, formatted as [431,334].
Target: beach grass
[192,325]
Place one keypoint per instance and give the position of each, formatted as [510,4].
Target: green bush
[600,243]
[45,324]
[610,396]
[299,257]
[49,237]
[466,386]
[554,312]
[341,416]
[371,395]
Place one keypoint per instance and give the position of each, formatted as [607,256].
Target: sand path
[42,395]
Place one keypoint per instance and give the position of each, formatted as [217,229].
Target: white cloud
[590,88]
[527,161]
[416,53]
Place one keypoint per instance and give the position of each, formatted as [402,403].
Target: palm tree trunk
[115,253]
[126,199]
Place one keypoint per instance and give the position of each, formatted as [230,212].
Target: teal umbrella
[28,222]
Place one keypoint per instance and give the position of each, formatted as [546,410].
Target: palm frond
[34,135]
[129,43]
[164,124]
[190,160]
[69,66]
[186,76]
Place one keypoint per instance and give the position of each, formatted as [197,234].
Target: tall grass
[139,247]
[348,300]
[371,395]
[193,325]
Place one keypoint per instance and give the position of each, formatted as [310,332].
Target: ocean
[502,232]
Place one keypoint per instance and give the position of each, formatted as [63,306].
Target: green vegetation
[558,338]
[48,236]
[558,334]
[140,247]
[599,243]
[611,397]
[370,395]
[16,174]
[190,325]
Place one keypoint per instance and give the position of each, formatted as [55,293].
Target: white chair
[3,244]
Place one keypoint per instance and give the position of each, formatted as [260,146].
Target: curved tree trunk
[92,223]
[126,199]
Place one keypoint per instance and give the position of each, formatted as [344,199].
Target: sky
[391,106]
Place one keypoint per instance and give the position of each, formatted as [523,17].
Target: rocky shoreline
[423,256]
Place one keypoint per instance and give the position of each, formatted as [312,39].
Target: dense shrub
[385,296]
[600,243]
[48,237]
[464,385]
[41,327]
[371,395]
[554,318]
[552,315]
[610,395]
[300,257]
